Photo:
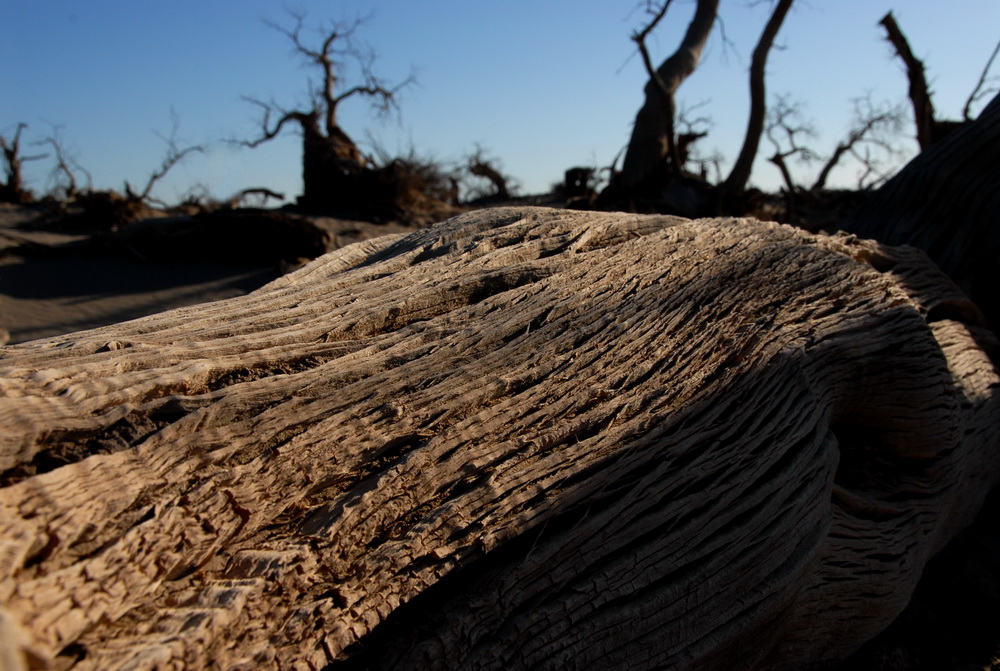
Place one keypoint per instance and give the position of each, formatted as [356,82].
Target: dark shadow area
[48,297]
[953,619]
[109,276]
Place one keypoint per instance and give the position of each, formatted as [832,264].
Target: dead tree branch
[502,443]
[13,190]
[981,92]
[653,135]
[740,174]
[175,155]
[269,132]
[66,165]
[783,129]
[262,192]
[482,166]
[873,127]
[919,93]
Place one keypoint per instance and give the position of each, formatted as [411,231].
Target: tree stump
[523,438]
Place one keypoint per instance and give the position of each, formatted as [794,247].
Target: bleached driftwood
[523,438]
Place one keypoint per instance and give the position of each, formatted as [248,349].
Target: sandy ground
[44,295]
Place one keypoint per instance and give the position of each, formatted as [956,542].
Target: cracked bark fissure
[523,438]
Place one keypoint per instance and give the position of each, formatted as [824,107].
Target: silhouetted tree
[869,141]
[175,154]
[930,129]
[13,190]
[64,173]
[653,136]
[740,174]
[481,166]
[331,161]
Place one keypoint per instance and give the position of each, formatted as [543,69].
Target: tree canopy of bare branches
[329,153]
[870,141]
[66,166]
[175,154]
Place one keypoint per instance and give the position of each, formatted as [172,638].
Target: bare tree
[981,90]
[740,174]
[920,97]
[653,135]
[870,141]
[175,154]
[66,166]
[329,153]
[873,130]
[13,191]
[481,165]
[785,129]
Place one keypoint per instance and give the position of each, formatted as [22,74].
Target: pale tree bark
[523,438]
[653,132]
[737,180]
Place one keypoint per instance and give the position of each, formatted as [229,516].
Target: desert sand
[50,284]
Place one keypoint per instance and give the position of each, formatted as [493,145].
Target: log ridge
[522,438]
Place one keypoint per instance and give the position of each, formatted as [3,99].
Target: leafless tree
[871,141]
[66,166]
[481,165]
[13,190]
[740,173]
[329,153]
[785,130]
[175,154]
[982,90]
[653,135]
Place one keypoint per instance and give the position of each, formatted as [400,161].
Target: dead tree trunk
[653,133]
[332,170]
[945,201]
[920,97]
[523,438]
[740,174]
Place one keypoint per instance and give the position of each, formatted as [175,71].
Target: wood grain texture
[945,202]
[523,438]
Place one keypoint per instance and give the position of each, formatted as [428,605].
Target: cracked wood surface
[523,438]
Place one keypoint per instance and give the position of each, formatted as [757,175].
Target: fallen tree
[523,438]
[945,202]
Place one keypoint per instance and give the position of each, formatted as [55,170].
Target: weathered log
[523,438]
[945,201]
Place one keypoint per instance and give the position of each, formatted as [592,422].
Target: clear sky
[541,85]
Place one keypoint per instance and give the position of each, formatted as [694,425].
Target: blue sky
[541,85]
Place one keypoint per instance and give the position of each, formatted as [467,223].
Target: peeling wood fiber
[522,438]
